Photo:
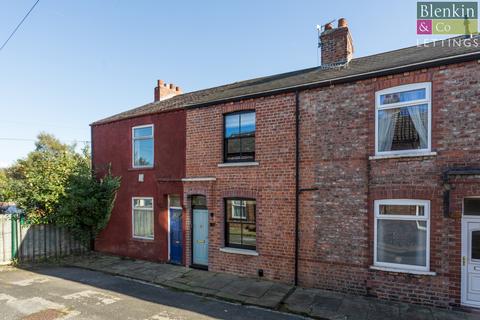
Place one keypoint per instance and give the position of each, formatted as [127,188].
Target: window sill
[239,251]
[417,272]
[143,239]
[238,164]
[406,155]
[140,168]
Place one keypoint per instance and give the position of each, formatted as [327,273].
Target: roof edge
[101,122]
[345,79]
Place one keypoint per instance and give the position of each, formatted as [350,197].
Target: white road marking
[165,315]
[102,298]
[9,299]
[28,282]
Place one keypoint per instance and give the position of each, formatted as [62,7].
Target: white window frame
[234,216]
[142,209]
[143,138]
[425,217]
[428,101]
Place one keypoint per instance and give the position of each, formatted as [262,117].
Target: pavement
[313,303]
[60,293]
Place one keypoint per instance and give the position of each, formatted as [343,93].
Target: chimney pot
[177,88]
[160,83]
[171,86]
[328,26]
[342,22]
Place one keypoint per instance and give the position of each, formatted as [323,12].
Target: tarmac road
[48,293]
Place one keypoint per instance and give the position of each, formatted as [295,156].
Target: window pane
[403,210]
[403,128]
[235,233]
[247,123]
[174,200]
[472,206]
[143,152]
[199,201]
[142,132]
[249,235]
[143,203]
[232,125]
[403,96]
[248,145]
[143,223]
[402,242]
[233,147]
[475,245]
[238,210]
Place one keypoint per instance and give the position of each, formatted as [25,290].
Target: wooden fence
[34,242]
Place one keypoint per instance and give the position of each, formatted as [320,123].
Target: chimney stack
[164,91]
[337,44]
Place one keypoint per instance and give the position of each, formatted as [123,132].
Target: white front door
[471,261]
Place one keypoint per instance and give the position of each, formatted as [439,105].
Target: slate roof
[415,57]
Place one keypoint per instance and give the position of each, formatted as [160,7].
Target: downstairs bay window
[403,120]
[402,232]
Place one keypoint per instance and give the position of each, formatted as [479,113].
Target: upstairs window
[403,120]
[142,143]
[239,144]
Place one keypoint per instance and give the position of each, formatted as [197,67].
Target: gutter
[351,78]
[297,181]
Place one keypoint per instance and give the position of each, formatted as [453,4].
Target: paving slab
[354,309]
[256,289]
[316,303]
[300,301]
[380,310]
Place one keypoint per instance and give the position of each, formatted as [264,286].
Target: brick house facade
[349,177]
[112,150]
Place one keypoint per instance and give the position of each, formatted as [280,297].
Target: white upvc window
[142,218]
[403,120]
[239,209]
[142,146]
[402,234]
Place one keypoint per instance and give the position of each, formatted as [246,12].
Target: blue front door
[176,250]
[200,237]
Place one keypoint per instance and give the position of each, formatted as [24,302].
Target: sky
[74,62]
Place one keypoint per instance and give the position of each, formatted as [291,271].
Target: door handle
[177,242]
[200,241]
[464,261]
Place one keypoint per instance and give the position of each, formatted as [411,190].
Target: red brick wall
[112,143]
[271,183]
[337,220]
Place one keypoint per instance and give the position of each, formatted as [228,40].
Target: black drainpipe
[297,180]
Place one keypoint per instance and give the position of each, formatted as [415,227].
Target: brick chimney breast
[337,44]
[163,91]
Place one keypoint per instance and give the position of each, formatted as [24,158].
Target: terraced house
[360,175]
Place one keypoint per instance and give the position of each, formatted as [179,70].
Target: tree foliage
[4,186]
[55,184]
